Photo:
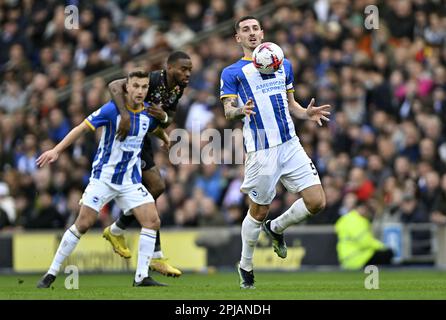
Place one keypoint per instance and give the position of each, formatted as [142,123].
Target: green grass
[393,284]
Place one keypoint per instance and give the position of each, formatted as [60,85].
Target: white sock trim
[116,230]
[148,232]
[158,255]
[75,232]
[250,217]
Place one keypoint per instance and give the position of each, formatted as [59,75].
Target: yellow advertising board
[33,252]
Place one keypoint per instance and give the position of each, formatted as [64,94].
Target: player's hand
[166,145]
[318,113]
[123,128]
[47,157]
[157,112]
[247,109]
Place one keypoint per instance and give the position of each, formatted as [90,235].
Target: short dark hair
[237,23]
[138,73]
[177,55]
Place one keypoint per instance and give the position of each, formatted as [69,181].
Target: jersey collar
[135,111]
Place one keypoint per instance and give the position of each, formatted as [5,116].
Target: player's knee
[82,226]
[153,223]
[316,205]
[259,214]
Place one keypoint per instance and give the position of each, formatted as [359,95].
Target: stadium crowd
[387,88]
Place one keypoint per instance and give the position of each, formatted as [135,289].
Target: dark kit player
[165,89]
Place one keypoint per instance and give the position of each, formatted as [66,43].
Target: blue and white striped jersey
[119,162]
[272,125]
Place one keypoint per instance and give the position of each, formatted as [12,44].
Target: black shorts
[147,162]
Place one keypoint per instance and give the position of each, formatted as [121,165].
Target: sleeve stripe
[228,95]
[290,90]
[90,125]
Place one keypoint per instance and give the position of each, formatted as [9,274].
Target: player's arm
[117,93]
[311,112]
[233,112]
[161,134]
[52,155]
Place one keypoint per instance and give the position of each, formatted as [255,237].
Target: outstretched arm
[234,112]
[52,155]
[311,112]
[117,92]
[161,134]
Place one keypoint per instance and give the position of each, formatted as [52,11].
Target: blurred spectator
[209,215]
[178,34]
[26,160]
[45,215]
[58,125]
[360,185]
[357,246]
[412,211]
[211,182]
[194,15]
[438,211]
[12,98]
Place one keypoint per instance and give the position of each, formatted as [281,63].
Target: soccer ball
[267,57]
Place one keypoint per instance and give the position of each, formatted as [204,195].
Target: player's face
[250,34]
[180,71]
[137,89]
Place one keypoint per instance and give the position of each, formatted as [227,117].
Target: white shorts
[288,162]
[98,193]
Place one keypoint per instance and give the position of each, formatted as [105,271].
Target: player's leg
[95,196]
[135,199]
[153,181]
[303,179]
[260,185]
[251,227]
[147,216]
[87,217]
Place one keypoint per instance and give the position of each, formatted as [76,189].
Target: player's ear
[237,38]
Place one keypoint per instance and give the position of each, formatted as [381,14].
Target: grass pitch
[394,284]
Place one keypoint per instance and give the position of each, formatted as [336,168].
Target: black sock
[157,242]
[124,221]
